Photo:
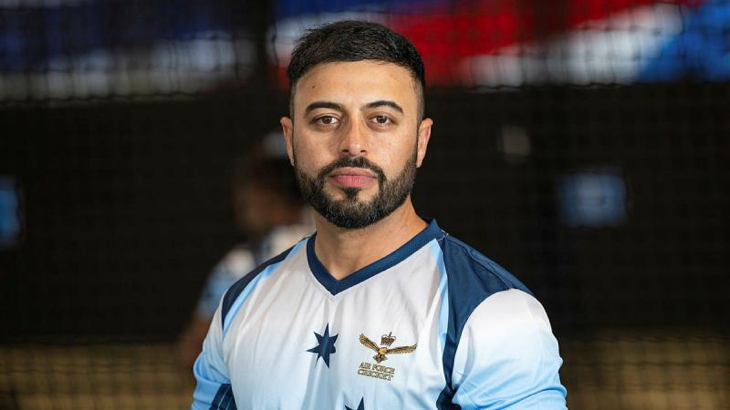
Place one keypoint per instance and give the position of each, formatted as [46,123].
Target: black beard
[351,213]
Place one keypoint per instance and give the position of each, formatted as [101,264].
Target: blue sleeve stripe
[443,291]
[445,323]
[471,278]
[228,402]
[224,399]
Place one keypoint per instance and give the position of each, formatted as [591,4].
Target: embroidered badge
[377,370]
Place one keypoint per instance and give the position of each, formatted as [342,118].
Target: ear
[424,135]
[287,128]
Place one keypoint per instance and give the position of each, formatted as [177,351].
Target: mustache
[352,162]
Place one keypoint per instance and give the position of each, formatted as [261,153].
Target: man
[378,309]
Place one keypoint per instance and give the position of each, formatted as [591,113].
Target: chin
[358,195]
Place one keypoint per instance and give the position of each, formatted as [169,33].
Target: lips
[353,177]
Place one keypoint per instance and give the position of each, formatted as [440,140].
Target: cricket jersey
[433,325]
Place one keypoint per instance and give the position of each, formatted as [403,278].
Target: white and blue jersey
[433,325]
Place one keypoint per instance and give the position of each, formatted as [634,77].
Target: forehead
[353,83]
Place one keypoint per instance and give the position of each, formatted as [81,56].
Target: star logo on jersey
[361,406]
[384,348]
[326,345]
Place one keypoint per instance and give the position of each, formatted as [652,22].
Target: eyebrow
[339,107]
[381,103]
[323,104]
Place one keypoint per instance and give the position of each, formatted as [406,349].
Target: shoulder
[486,306]
[507,319]
[508,355]
[472,275]
[500,349]
[487,302]
[239,288]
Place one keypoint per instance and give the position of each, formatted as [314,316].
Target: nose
[354,141]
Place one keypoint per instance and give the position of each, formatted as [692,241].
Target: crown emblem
[387,340]
[384,349]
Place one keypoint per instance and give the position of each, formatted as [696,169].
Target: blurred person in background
[379,309]
[272,215]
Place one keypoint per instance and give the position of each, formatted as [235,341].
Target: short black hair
[350,41]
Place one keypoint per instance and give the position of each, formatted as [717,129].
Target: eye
[326,120]
[382,120]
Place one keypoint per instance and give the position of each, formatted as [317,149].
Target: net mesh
[583,146]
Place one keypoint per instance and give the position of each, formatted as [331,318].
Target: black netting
[582,146]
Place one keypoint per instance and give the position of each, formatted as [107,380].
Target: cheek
[312,152]
[395,156]
[307,152]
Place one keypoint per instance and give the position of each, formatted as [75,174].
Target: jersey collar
[335,286]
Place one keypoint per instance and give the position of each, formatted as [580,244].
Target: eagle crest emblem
[384,348]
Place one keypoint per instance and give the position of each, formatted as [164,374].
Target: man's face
[355,140]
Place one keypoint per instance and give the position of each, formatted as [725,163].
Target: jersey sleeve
[507,357]
[213,388]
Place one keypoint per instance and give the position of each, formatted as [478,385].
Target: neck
[345,251]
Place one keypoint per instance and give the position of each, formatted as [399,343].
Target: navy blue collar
[335,286]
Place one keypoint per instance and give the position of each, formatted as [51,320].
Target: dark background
[125,209]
